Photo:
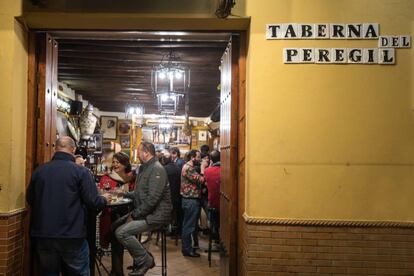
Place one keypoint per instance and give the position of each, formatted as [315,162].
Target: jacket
[105,220]
[58,194]
[152,198]
[174,178]
[212,176]
[192,182]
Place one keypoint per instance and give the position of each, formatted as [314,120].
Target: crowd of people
[165,190]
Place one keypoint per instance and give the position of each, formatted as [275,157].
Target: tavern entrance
[116,72]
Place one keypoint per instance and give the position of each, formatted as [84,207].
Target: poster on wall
[108,126]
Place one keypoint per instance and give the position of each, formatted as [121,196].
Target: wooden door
[229,161]
[46,79]
[41,118]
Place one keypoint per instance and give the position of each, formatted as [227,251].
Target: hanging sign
[384,54]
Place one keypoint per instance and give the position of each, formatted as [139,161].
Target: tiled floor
[177,264]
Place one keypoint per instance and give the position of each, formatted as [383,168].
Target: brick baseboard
[331,248]
[12,242]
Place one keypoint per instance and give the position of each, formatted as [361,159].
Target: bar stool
[163,233]
[214,219]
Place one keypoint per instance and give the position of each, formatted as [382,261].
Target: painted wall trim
[12,213]
[329,223]
[119,21]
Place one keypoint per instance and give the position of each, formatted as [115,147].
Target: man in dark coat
[58,195]
[174,178]
[175,157]
[152,208]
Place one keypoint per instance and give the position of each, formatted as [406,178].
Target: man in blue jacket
[59,193]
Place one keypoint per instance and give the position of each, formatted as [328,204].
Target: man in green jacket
[152,208]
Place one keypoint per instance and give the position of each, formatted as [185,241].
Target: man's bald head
[66,144]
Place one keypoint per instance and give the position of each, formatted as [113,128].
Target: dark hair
[175,150]
[164,160]
[215,156]
[203,155]
[192,153]
[148,147]
[123,158]
[205,149]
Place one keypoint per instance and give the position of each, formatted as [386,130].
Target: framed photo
[202,135]
[125,141]
[124,127]
[97,138]
[108,126]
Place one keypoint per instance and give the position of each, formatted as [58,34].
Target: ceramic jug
[87,122]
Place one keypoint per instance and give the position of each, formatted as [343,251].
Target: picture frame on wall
[202,135]
[109,127]
[97,138]
[124,127]
[125,141]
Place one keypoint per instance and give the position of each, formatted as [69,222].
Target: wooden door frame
[241,148]
[41,109]
[239,182]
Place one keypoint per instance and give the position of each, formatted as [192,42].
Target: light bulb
[161,75]
[178,75]
[164,97]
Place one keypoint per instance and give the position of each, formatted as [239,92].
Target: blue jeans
[70,256]
[191,209]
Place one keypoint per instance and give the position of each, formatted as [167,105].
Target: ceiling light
[178,75]
[161,75]
[164,97]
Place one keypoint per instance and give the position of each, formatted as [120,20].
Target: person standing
[191,185]
[175,156]
[152,208]
[212,175]
[58,193]
[174,178]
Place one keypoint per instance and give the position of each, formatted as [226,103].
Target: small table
[97,257]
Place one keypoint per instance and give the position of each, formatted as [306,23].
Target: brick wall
[319,250]
[11,243]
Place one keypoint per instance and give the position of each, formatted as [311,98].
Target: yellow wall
[329,141]
[13,87]
[323,141]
